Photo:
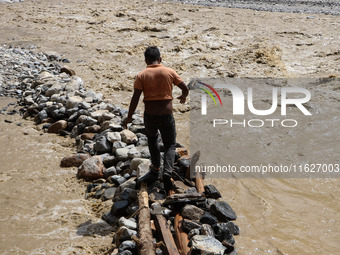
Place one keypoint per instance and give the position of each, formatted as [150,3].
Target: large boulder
[223,233]
[67,70]
[189,225]
[208,218]
[231,226]
[73,102]
[202,244]
[128,137]
[91,169]
[127,247]
[223,211]
[87,136]
[74,160]
[192,212]
[54,89]
[139,152]
[86,120]
[128,223]
[128,184]
[102,145]
[207,230]
[122,153]
[124,233]
[109,193]
[110,171]
[119,207]
[74,84]
[57,126]
[211,192]
[97,114]
[92,129]
[135,162]
[113,136]
[143,168]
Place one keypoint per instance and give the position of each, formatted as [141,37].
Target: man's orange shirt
[156,82]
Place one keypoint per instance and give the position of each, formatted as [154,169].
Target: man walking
[156,82]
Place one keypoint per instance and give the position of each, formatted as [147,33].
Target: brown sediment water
[43,210]
[285,214]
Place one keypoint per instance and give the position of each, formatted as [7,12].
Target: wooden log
[145,234]
[193,161]
[181,238]
[198,177]
[163,228]
[184,198]
[199,183]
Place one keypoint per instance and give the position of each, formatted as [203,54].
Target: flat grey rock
[207,245]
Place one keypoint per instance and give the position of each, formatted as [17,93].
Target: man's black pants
[166,126]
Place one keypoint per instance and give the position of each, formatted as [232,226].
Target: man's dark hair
[152,54]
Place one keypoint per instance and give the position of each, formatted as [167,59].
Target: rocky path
[112,157]
[331,7]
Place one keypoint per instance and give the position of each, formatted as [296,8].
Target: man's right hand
[185,92]
[182,99]
[126,121]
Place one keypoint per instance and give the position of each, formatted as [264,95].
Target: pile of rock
[11,1]
[330,7]
[112,157]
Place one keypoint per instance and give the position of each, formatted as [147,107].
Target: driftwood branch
[146,246]
[199,183]
[181,237]
[198,176]
[163,228]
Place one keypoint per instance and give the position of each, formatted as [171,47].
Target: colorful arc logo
[208,89]
[209,93]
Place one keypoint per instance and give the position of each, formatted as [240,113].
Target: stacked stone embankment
[111,158]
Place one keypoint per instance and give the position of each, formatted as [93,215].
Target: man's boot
[149,177]
[168,185]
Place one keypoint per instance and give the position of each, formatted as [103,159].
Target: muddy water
[42,206]
[285,214]
[43,210]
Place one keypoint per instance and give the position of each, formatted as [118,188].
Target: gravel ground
[331,7]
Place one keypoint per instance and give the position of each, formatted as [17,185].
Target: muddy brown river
[42,206]
[43,210]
